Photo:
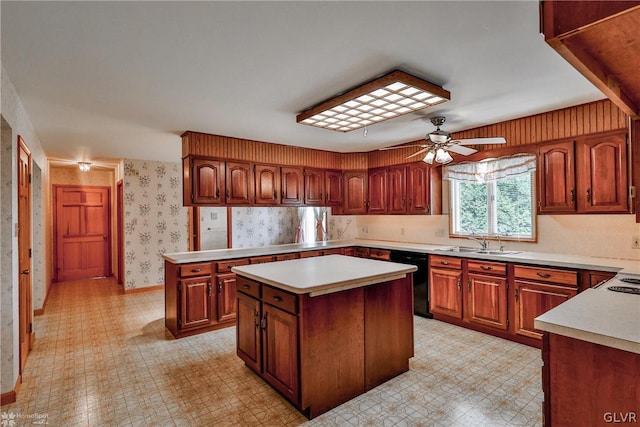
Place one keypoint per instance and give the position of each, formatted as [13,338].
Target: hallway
[102,359]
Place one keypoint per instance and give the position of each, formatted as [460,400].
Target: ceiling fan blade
[402,146]
[479,141]
[461,149]
[424,150]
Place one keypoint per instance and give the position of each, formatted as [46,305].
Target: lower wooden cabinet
[195,302]
[226,298]
[487,300]
[445,286]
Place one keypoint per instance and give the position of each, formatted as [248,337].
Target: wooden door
[397,189]
[226,296]
[239,182]
[25,310]
[533,299]
[207,181]
[83,234]
[120,230]
[602,177]
[195,302]
[487,300]
[556,172]
[292,186]
[445,292]
[377,191]
[418,189]
[333,187]
[280,351]
[355,193]
[248,332]
[267,184]
[314,187]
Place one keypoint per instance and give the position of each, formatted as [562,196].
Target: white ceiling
[117,80]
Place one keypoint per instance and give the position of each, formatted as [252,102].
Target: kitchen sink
[459,249]
[478,251]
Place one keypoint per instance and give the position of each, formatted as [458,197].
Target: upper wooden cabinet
[397,189]
[203,181]
[377,203]
[588,175]
[291,179]
[314,183]
[333,187]
[239,183]
[355,193]
[267,178]
[418,188]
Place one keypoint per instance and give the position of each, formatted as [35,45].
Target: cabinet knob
[196,270]
[245,286]
[572,194]
[588,194]
[277,298]
[485,267]
[516,294]
[545,275]
[256,319]
[444,262]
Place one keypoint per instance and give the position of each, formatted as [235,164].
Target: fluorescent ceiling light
[389,96]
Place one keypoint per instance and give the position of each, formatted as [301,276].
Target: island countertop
[599,316]
[322,275]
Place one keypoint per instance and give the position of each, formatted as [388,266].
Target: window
[493,197]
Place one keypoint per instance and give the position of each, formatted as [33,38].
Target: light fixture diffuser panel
[386,97]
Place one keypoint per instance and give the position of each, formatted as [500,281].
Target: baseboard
[145,289]
[40,311]
[11,396]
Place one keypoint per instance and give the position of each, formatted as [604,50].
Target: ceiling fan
[439,143]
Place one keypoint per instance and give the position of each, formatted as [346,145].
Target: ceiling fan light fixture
[391,95]
[443,156]
[429,157]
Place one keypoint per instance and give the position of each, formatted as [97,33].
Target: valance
[490,169]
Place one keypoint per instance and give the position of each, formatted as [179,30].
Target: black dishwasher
[420,280]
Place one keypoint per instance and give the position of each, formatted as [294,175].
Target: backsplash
[263,226]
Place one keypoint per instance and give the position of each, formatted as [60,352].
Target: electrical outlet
[635,242]
[440,232]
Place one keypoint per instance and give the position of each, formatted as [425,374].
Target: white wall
[606,236]
[17,122]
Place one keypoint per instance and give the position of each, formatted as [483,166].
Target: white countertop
[322,275]
[598,315]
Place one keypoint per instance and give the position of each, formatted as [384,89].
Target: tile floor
[102,359]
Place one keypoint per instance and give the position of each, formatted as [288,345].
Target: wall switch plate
[635,242]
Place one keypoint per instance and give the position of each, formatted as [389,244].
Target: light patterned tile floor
[103,359]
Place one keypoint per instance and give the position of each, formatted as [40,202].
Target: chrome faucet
[483,242]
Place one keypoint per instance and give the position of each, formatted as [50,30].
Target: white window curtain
[490,169]
[320,216]
[300,230]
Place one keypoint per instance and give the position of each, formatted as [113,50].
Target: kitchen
[605,234]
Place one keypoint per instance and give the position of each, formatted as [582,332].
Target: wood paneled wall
[569,122]
[598,116]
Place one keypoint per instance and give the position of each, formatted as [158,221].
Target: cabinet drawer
[225,266]
[379,254]
[309,254]
[247,286]
[199,269]
[334,251]
[546,275]
[281,299]
[284,257]
[262,259]
[445,261]
[487,267]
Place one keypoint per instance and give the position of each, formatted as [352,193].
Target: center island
[324,330]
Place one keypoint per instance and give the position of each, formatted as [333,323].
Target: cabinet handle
[245,286]
[256,319]
[572,193]
[403,202]
[545,275]
[459,284]
[226,193]
[196,270]
[209,289]
[320,196]
[219,287]
[277,298]
[263,322]
[444,262]
[588,194]
[217,193]
[469,285]
[516,294]
[485,267]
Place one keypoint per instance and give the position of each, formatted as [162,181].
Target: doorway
[24,253]
[82,232]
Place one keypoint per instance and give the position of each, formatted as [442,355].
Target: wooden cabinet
[445,286]
[309,254]
[226,297]
[397,188]
[333,187]
[314,183]
[418,192]
[538,290]
[291,179]
[248,341]
[239,183]
[588,175]
[487,294]
[377,202]
[355,193]
[203,181]
[285,257]
[267,178]
[195,302]
[382,254]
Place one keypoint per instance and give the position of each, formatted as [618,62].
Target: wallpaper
[154,219]
[263,226]
[340,227]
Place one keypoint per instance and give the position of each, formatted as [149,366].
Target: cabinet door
[445,292]
[556,172]
[487,300]
[397,189]
[291,179]
[207,181]
[240,183]
[226,296]
[355,193]
[418,189]
[602,177]
[248,332]
[314,187]
[267,184]
[333,187]
[532,299]
[195,302]
[280,351]
[377,191]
